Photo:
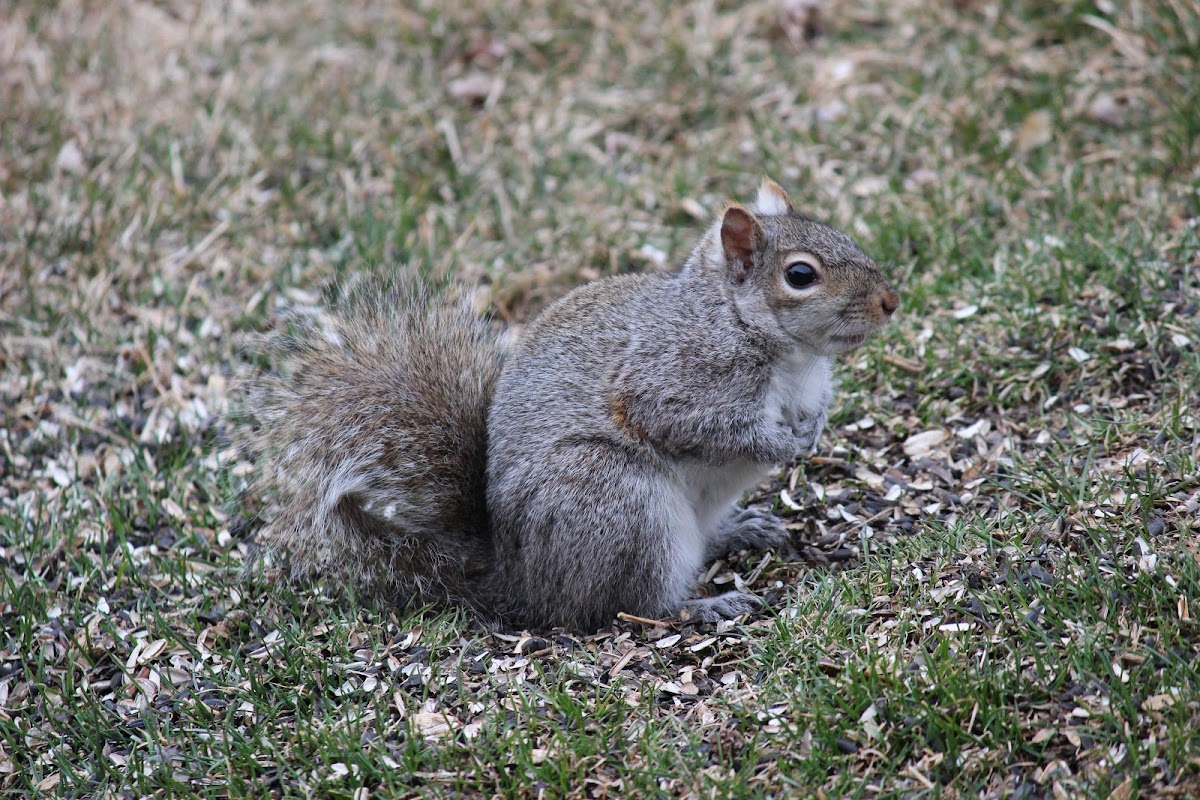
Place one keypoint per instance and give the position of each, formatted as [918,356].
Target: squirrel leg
[575,556]
[746,529]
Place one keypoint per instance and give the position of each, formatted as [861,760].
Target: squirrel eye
[800,274]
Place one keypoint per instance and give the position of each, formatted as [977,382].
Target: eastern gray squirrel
[595,468]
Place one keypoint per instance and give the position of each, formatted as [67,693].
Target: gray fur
[623,429]
[746,529]
[369,440]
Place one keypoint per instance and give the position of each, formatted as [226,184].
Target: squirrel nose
[889,301]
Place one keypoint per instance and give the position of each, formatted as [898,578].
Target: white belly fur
[686,555]
[802,384]
[712,490]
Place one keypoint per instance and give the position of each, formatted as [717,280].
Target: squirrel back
[369,439]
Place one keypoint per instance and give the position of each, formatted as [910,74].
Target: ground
[993,589]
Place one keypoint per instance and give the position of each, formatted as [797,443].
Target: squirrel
[593,468]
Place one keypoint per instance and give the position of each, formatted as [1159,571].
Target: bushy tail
[368,434]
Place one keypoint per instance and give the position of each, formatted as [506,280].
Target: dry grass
[1009,494]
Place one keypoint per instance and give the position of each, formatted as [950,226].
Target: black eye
[800,274]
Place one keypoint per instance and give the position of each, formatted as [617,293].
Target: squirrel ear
[741,237]
[772,199]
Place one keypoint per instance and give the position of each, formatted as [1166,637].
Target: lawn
[993,588]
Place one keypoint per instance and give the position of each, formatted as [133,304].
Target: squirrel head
[792,277]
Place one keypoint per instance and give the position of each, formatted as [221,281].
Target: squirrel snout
[889,301]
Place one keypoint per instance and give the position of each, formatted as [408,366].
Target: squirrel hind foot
[714,609]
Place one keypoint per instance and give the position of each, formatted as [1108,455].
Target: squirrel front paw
[807,430]
[713,609]
[747,529]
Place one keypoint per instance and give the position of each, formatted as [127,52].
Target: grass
[994,585]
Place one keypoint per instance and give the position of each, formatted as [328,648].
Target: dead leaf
[1109,108]
[433,725]
[1122,792]
[474,87]
[1158,702]
[1044,735]
[1036,131]
[919,444]
[70,159]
